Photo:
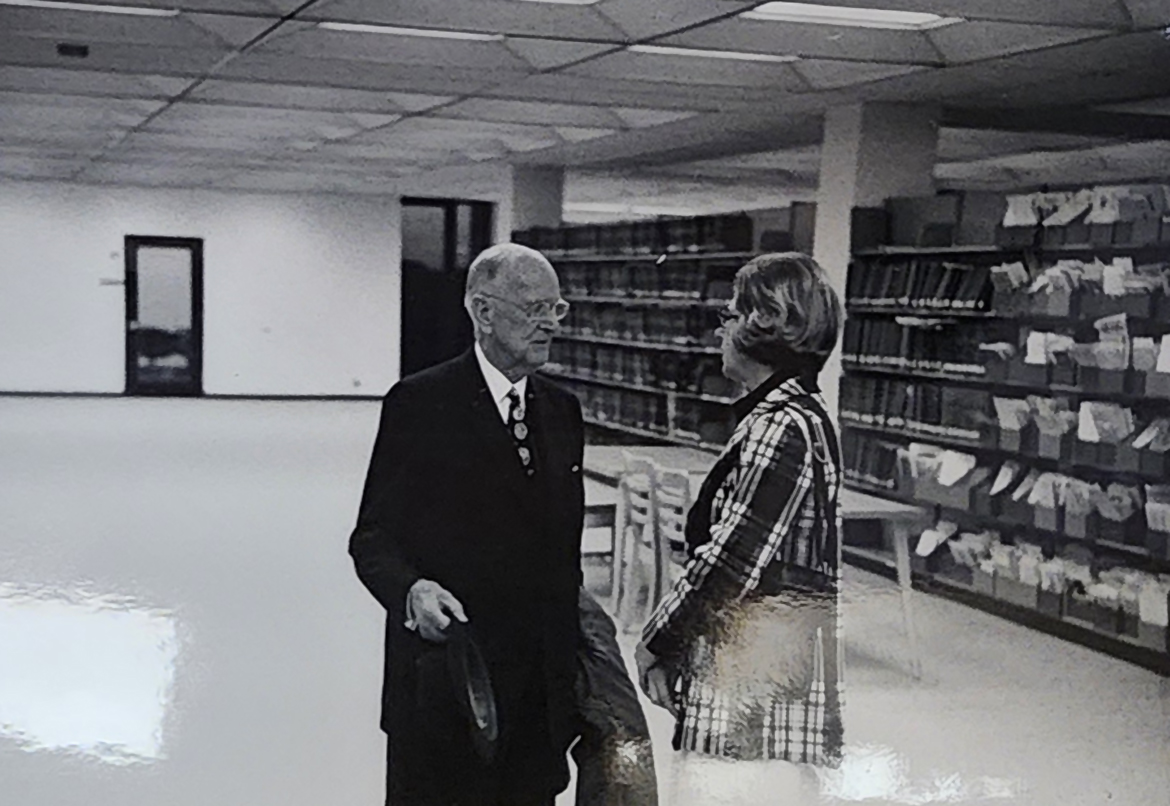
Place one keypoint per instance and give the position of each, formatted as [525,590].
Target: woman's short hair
[789,308]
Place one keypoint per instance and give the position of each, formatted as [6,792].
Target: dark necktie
[518,428]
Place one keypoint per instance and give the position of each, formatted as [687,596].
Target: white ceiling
[254,94]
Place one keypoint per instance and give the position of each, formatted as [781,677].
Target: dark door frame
[131,245]
[483,217]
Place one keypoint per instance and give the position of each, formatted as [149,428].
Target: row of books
[906,344]
[668,279]
[682,326]
[719,233]
[919,282]
[693,420]
[683,372]
[870,461]
[926,408]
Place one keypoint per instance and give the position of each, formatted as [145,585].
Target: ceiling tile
[1089,13]
[90,82]
[233,30]
[548,54]
[121,57]
[317,43]
[624,92]
[418,79]
[494,16]
[642,118]
[818,41]
[88,28]
[971,41]
[132,108]
[531,112]
[642,19]
[690,71]
[291,96]
[822,74]
[578,135]
[971,144]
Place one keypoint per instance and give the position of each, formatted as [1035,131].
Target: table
[603,467]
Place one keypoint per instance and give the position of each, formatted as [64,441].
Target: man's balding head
[504,284]
[498,268]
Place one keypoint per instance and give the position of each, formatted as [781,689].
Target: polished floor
[180,625]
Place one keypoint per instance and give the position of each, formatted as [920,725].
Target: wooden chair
[672,503]
[635,527]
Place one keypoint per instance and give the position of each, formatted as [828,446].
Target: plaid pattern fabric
[763,513]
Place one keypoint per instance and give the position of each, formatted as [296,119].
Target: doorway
[164,316]
[440,238]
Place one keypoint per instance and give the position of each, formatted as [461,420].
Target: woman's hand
[657,679]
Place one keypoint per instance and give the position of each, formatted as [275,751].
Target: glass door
[164,316]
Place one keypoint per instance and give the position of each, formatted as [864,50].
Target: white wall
[301,292]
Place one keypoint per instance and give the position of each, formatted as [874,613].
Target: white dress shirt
[498,384]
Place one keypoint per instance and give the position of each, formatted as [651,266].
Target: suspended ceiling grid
[256,94]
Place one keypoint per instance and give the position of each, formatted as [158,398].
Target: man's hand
[657,679]
[432,607]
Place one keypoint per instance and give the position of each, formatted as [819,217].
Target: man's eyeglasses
[540,309]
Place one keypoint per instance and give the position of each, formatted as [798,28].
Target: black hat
[473,688]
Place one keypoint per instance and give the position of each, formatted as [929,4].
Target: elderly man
[472,512]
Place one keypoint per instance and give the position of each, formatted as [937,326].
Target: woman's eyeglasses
[727,316]
[541,309]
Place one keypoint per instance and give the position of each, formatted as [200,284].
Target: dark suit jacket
[446,499]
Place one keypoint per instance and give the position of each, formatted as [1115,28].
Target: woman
[744,649]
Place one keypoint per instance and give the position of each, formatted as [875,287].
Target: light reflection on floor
[180,625]
[85,673]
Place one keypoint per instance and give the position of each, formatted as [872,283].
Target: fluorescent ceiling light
[736,55]
[564,2]
[851,17]
[429,33]
[137,10]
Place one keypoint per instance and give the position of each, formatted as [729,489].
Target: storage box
[1050,603]
[957,496]
[1158,383]
[1078,607]
[1154,464]
[1077,234]
[1085,453]
[1063,372]
[1017,237]
[1128,533]
[1101,234]
[1082,526]
[1107,381]
[1052,236]
[1158,545]
[1106,619]
[1055,446]
[1016,592]
[1027,374]
[1057,303]
[1153,636]
[1018,512]
[1011,439]
[1129,459]
[1049,519]
[983,582]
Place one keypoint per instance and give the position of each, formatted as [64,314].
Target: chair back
[672,498]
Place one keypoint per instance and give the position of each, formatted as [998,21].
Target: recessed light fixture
[734,55]
[849,17]
[140,11]
[428,33]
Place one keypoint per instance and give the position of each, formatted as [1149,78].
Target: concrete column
[538,196]
[869,153]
